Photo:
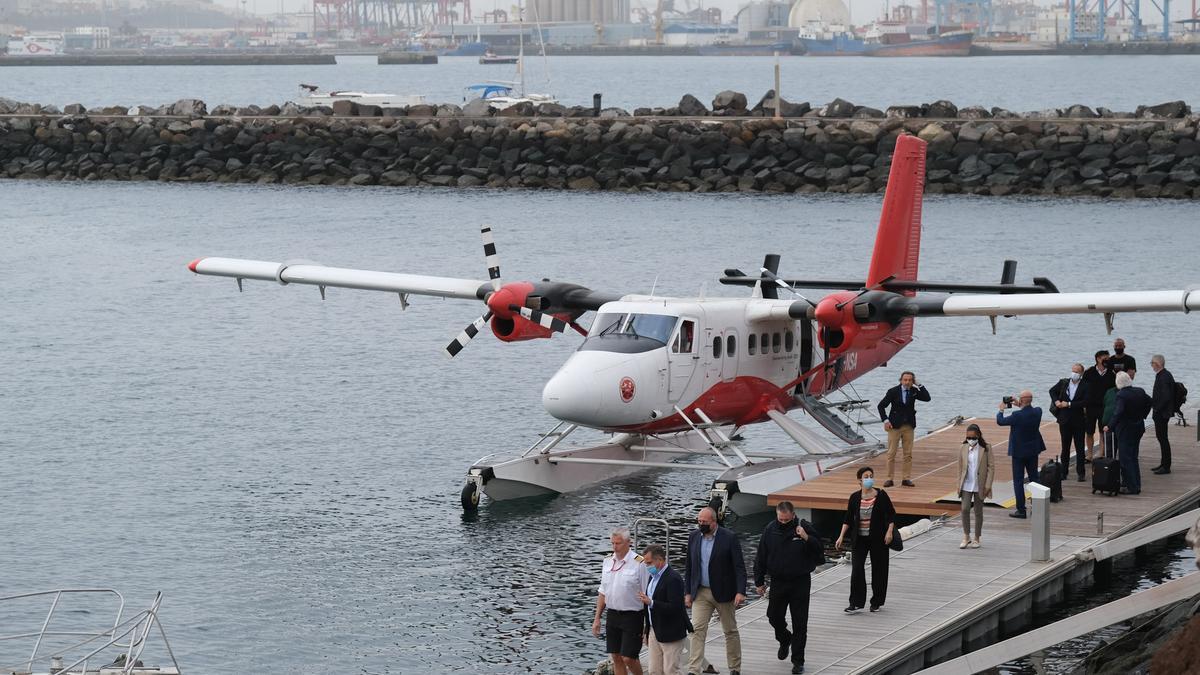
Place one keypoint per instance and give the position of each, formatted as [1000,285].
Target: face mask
[653,570]
[1075,376]
[868,483]
[972,441]
[1119,351]
[705,528]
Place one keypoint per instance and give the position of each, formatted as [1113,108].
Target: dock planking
[932,581]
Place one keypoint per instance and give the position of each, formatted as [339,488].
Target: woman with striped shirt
[871,522]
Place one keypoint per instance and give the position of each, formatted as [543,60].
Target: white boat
[501,95]
[311,95]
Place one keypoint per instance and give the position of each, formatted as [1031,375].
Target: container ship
[885,38]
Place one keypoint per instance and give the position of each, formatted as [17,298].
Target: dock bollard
[1040,515]
[596,105]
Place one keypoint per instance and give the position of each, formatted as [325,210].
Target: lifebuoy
[33,48]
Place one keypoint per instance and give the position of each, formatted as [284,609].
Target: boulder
[364,111]
[1171,109]
[904,111]
[795,109]
[74,109]
[290,109]
[864,131]
[941,109]
[189,107]
[477,108]
[1077,111]
[974,112]
[838,108]
[449,110]
[551,110]
[345,108]
[522,109]
[690,106]
[729,100]
[422,110]
[612,113]
[8,106]
[939,139]
[868,113]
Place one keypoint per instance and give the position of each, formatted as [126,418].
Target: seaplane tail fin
[898,240]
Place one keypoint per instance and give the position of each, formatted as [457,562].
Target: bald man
[715,582]
[1024,444]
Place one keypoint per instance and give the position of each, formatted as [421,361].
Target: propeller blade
[464,338]
[547,321]
[768,274]
[489,256]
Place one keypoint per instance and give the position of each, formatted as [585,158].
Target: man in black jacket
[1164,408]
[716,581]
[1099,379]
[1067,400]
[789,551]
[666,620]
[900,422]
[1120,361]
[1129,424]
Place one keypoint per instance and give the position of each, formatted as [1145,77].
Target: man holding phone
[900,422]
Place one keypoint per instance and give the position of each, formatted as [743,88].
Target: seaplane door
[729,357]
[683,356]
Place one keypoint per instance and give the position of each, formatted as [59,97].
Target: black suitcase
[1051,476]
[1106,471]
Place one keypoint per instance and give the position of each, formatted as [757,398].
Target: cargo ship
[885,38]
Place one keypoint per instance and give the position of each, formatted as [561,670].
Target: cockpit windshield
[628,332]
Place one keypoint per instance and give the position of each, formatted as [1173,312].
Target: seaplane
[674,381]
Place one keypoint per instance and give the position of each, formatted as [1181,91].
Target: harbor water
[1017,83]
[287,470]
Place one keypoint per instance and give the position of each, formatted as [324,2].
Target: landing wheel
[718,506]
[469,496]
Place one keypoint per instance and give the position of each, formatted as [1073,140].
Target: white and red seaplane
[674,378]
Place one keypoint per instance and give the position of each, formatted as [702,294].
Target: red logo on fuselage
[627,388]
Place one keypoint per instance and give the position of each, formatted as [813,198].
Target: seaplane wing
[313,274]
[516,311]
[1114,302]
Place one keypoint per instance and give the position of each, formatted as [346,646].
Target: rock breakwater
[839,147]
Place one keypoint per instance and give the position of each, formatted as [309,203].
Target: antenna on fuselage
[653,286]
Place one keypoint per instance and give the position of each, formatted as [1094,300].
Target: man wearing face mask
[789,550]
[1121,362]
[666,621]
[1164,408]
[1024,444]
[1099,379]
[716,582]
[1068,397]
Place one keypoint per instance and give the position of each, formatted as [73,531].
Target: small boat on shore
[310,94]
[493,59]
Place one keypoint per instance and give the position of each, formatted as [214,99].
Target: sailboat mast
[521,49]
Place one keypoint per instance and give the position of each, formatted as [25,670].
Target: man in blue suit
[716,581]
[666,619]
[1024,444]
[1129,423]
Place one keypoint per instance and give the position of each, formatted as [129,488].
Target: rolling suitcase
[1051,475]
[1106,470]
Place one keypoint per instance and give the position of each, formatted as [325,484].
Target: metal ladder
[549,439]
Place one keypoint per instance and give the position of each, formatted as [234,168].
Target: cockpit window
[629,332]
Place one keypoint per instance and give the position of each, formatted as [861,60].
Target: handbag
[897,541]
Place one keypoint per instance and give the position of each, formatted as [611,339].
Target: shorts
[1091,422]
[624,633]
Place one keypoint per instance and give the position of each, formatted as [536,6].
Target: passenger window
[717,347]
[789,341]
[775,342]
[730,346]
[765,342]
[684,339]
[752,345]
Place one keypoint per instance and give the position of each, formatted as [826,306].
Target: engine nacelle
[517,328]
[835,314]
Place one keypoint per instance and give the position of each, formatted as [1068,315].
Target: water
[287,470]
[1019,83]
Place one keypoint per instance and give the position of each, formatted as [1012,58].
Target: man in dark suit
[788,551]
[1068,398]
[716,581]
[1024,444]
[1099,379]
[1164,408]
[666,620]
[900,421]
[1129,424]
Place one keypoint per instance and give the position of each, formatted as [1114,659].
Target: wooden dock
[944,601]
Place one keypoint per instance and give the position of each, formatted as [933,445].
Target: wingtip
[192,265]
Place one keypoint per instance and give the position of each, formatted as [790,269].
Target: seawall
[1154,152]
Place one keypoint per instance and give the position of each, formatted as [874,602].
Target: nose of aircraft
[602,390]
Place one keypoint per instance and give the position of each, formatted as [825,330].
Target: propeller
[500,301]
[773,278]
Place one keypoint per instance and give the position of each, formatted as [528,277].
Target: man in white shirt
[623,581]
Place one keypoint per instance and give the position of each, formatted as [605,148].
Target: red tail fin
[898,240]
